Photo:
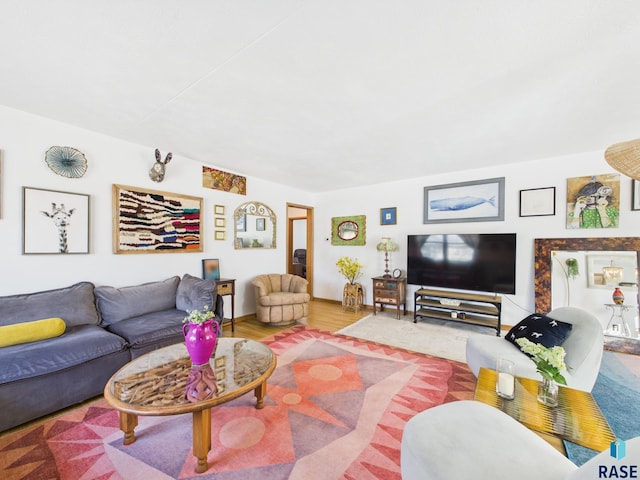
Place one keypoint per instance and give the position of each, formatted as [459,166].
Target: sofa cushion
[117,304]
[150,328]
[196,293]
[31,331]
[75,304]
[540,329]
[77,345]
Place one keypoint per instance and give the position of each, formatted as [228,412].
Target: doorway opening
[300,242]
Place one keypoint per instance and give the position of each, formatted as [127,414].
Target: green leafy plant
[572,267]
[349,268]
[197,316]
[549,361]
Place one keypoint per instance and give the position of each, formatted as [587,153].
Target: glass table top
[166,378]
[577,418]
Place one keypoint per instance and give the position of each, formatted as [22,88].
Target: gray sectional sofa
[106,327]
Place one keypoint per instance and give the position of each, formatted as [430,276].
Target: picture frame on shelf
[474,201]
[218,209]
[635,194]
[388,216]
[151,221]
[220,222]
[55,222]
[538,202]
[211,268]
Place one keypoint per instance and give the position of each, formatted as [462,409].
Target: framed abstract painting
[150,221]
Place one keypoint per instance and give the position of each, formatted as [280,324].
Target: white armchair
[469,439]
[584,347]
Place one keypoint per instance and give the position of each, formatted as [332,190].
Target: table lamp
[386,246]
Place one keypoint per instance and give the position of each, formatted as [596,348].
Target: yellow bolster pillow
[31,331]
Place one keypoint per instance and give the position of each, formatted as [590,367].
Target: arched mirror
[254,226]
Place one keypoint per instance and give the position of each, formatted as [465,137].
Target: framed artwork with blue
[211,268]
[475,201]
[388,216]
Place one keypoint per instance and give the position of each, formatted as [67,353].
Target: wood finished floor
[324,315]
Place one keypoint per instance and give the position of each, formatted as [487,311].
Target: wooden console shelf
[474,308]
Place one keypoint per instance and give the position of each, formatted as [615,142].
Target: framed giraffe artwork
[150,221]
[54,222]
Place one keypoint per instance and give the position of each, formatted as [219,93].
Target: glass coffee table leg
[128,422]
[202,438]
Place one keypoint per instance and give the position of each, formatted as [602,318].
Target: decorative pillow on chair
[27,332]
[540,329]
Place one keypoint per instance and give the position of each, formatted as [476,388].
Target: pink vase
[200,339]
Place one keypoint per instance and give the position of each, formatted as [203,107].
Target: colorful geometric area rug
[335,408]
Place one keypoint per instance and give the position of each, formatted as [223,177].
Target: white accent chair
[584,347]
[469,439]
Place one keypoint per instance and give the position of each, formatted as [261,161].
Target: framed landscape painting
[54,222]
[149,221]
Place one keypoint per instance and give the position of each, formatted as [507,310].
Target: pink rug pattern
[335,409]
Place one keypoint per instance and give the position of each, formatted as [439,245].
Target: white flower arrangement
[549,361]
[196,316]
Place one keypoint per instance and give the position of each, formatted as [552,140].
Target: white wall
[25,138]
[407,196]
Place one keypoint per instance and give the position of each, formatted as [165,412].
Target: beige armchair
[281,299]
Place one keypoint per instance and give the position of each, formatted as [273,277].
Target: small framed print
[219,235]
[635,195]
[388,216]
[211,268]
[220,222]
[260,224]
[538,202]
[218,209]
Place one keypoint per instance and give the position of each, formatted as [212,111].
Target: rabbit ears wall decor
[157,172]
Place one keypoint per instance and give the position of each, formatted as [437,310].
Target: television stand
[473,308]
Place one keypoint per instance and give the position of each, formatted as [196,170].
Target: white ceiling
[325,94]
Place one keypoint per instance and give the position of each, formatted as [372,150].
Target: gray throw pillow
[76,305]
[195,293]
[116,304]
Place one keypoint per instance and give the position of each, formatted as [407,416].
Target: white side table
[620,324]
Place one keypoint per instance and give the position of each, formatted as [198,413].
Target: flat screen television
[483,262]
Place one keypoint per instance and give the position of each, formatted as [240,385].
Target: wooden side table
[389,291]
[227,286]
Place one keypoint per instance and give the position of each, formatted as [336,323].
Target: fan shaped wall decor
[66,161]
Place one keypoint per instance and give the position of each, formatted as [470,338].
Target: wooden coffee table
[157,384]
[577,418]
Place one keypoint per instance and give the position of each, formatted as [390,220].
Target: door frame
[309,241]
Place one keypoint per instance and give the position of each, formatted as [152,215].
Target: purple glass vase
[201,339]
